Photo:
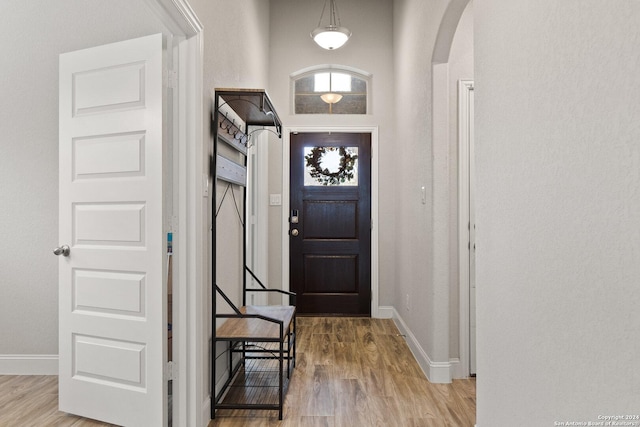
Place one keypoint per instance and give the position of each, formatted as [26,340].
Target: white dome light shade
[330,37]
[334,35]
[331,98]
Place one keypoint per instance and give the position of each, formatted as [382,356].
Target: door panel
[109,156]
[112,321]
[331,219]
[330,257]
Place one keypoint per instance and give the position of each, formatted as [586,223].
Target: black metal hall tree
[259,339]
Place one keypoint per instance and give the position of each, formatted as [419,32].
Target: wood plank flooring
[350,372]
[32,401]
[359,372]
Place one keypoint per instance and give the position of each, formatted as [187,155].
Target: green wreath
[324,175]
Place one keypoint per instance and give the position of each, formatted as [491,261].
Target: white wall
[418,275]
[235,55]
[558,156]
[370,50]
[35,33]
[236,47]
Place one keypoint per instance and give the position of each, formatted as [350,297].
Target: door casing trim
[464,88]
[191,406]
[286,192]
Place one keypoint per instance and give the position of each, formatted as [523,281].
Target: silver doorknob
[295,232]
[63,250]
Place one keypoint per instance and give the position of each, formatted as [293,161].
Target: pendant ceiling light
[331,98]
[333,35]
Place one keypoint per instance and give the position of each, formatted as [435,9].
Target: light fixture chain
[322,14]
[335,13]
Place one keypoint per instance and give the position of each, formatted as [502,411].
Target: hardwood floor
[359,372]
[350,372]
[32,401]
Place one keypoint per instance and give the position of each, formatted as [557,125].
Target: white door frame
[190,337]
[286,191]
[258,203]
[464,99]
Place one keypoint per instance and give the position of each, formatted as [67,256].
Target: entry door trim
[464,100]
[286,190]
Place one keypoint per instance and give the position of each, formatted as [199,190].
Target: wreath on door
[325,176]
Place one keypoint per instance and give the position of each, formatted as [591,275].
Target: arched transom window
[330,90]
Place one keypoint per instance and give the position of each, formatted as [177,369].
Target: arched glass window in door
[330,90]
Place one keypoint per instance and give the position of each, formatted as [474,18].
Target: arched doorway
[448,187]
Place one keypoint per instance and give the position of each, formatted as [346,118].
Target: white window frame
[329,68]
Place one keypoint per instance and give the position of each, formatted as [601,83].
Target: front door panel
[330,223]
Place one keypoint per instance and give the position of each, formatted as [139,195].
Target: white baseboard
[217,389]
[220,383]
[28,364]
[456,369]
[206,412]
[385,312]
[436,372]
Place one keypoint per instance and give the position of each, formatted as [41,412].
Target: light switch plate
[275,199]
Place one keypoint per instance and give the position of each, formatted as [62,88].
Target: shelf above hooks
[253,106]
[234,111]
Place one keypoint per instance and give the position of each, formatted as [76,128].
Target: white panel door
[112,294]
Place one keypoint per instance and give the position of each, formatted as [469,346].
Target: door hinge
[171,371]
[170,78]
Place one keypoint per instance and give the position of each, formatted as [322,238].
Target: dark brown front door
[330,223]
